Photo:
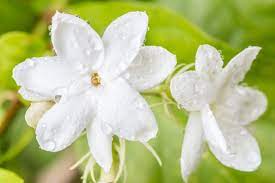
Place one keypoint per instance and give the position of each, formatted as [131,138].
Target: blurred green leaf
[9,177]
[17,136]
[15,47]
[16,15]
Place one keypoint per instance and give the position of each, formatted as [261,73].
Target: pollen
[95,79]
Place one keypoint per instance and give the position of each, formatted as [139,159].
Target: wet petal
[33,96]
[190,90]
[122,40]
[245,105]
[100,145]
[212,131]
[36,111]
[151,66]
[235,70]
[208,61]
[75,40]
[64,122]
[125,113]
[43,76]
[244,153]
[192,147]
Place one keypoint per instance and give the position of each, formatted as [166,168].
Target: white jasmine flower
[219,110]
[95,83]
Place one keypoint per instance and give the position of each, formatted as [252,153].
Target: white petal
[151,66]
[122,40]
[32,96]
[192,147]
[245,105]
[64,122]
[208,61]
[212,131]
[190,90]
[235,70]
[74,39]
[125,113]
[36,111]
[100,145]
[244,153]
[43,76]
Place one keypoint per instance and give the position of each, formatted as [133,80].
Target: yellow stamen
[95,79]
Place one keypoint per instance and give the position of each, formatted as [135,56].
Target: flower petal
[122,40]
[32,96]
[64,122]
[74,39]
[36,111]
[208,61]
[151,66]
[100,145]
[212,131]
[235,70]
[190,90]
[244,153]
[125,113]
[245,105]
[43,76]
[192,147]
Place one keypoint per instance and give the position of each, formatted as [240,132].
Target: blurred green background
[178,25]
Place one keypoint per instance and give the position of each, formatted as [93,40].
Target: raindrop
[107,128]
[127,75]
[139,104]
[88,52]
[123,37]
[50,27]
[253,157]
[68,117]
[31,63]
[98,47]
[243,132]
[50,145]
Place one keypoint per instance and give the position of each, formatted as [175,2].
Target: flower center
[95,79]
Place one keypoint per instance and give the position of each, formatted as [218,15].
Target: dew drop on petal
[127,75]
[107,128]
[253,157]
[50,145]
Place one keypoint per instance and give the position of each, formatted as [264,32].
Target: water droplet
[243,132]
[98,47]
[123,37]
[127,75]
[88,52]
[50,27]
[107,128]
[139,104]
[31,63]
[50,145]
[253,157]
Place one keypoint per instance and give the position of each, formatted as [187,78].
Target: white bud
[36,111]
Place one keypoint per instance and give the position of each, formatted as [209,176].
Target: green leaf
[16,15]
[15,47]
[8,176]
